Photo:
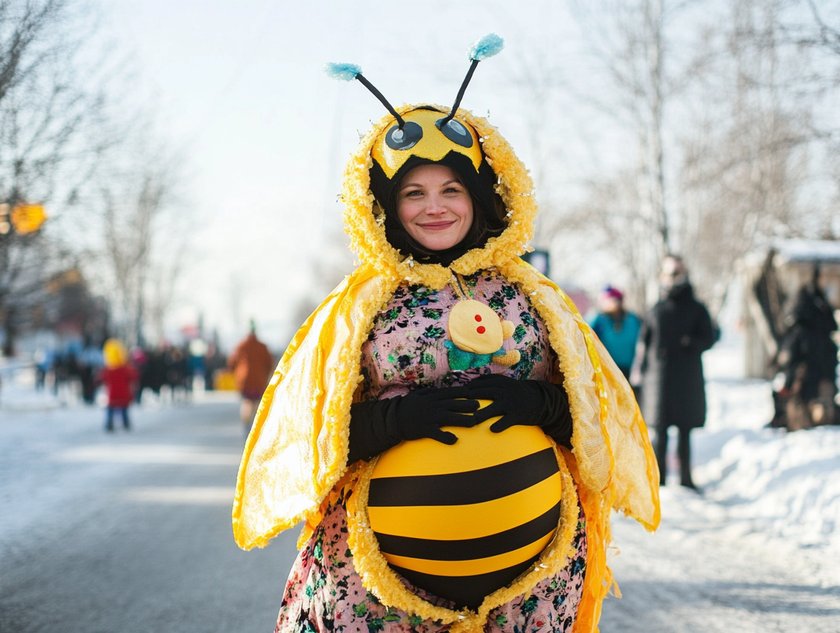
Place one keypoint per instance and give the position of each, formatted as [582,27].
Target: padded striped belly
[466,533]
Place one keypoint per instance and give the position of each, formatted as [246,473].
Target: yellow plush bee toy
[477,334]
[484,521]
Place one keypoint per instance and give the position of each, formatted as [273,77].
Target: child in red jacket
[119,378]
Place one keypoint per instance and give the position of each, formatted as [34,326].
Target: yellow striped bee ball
[464,520]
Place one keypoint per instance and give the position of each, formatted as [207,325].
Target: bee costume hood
[295,458]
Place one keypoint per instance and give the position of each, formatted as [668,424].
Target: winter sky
[241,88]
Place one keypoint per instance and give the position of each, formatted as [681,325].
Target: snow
[761,486]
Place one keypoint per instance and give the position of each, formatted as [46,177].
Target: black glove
[527,402]
[377,425]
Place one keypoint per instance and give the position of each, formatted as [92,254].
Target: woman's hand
[421,413]
[377,425]
[525,402]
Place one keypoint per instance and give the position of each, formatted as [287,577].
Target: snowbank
[769,483]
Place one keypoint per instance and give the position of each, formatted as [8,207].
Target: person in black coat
[808,358]
[675,333]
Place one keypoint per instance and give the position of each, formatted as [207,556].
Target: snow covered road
[697,575]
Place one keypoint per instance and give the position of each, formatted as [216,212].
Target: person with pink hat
[617,328]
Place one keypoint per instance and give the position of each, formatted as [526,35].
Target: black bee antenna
[348,72]
[486,47]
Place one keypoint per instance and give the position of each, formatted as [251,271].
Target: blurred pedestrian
[120,379]
[808,360]
[154,371]
[617,328]
[214,361]
[177,374]
[674,334]
[43,364]
[90,364]
[252,364]
[138,358]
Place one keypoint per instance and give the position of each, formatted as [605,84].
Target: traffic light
[28,218]
[23,218]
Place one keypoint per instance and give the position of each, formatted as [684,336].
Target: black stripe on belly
[468,549]
[462,488]
[465,591]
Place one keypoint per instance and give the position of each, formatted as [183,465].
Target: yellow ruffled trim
[378,577]
[598,579]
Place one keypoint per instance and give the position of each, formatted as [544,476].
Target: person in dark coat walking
[675,333]
[808,358]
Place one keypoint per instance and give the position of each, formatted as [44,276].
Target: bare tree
[747,153]
[632,202]
[729,141]
[813,29]
[46,113]
[634,56]
[145,238]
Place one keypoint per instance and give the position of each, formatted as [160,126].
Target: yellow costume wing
[297,449]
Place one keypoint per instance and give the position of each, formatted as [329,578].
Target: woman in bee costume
[445,424]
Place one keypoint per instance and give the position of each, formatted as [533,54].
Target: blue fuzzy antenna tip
[486,47]
[345,72]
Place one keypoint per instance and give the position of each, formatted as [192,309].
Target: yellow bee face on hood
[425,135]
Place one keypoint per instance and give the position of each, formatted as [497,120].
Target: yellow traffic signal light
[28,218]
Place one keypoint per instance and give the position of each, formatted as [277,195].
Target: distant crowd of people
[172,369]
[165,372]
[75,370]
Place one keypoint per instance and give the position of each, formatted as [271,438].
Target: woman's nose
[436,205]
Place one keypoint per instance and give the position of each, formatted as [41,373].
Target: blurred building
[771,280]
[61,310]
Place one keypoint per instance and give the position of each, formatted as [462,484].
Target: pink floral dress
[408,348]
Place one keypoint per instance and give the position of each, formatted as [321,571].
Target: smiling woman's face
[434,207]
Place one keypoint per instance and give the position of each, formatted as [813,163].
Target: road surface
[130,533]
